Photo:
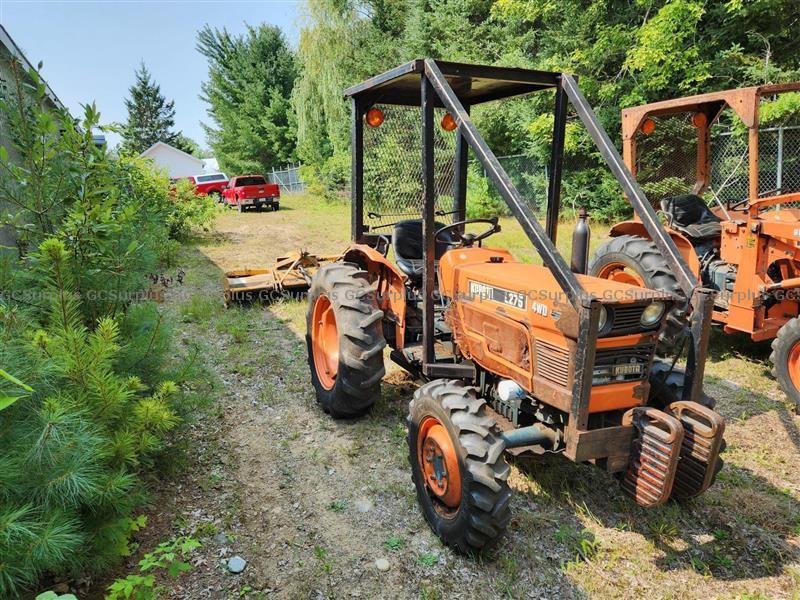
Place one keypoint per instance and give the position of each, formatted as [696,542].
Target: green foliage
[328,179]
[428,559]
[169,557]
[190,212]
[95,413]
[249,89]
[150,117]
[72,455]
[583,544]
[624,53]
[482,203]
[7,400]
[394,543]
[51,595]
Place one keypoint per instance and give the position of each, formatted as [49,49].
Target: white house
[176,163]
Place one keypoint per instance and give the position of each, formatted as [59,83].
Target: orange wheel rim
[793,365]
[619,272]
[325,342]
[438,462]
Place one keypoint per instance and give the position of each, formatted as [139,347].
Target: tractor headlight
[652,314]
[602,319]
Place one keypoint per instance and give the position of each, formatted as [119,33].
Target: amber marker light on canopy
[374,117]
[448,122]
[699,119]
[648,126]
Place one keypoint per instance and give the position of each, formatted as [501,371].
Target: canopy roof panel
[472,84]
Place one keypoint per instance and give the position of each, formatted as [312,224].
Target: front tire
[666,386]
[345,340]
[458,466]
[785,360]
[637,261]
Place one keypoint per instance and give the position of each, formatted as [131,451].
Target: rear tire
[482,512]
[630,256]
[346,371]
[785,359]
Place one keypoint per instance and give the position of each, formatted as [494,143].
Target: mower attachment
[702,443]
[291,274]
[654,455]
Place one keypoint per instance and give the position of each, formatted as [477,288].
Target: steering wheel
[466,240]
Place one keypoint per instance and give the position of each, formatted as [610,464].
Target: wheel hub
[439,462]
[617,271]
[793,364]
[325,342]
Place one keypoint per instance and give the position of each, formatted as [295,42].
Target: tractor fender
[684,245]
[388,281]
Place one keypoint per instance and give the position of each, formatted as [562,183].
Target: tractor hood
[499,268]
[531,295]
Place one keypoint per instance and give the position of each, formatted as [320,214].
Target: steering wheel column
[459,239]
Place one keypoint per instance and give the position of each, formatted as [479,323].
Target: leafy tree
[248,92]
[625,53]
[188,145]
[150,117]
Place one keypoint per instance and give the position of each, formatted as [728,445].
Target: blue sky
[90,49]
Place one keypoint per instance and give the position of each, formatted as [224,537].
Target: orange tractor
[515,357]
[729,191]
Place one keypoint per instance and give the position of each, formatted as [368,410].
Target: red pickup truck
[212,184]
[251,191]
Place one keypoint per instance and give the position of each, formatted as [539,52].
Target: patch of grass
[428,559]
[700,566]
[199,309]
[427,592]
[206,529]
[394,543]
[663,529]
[721,534]
[337,506]
[583,544]
[322,556]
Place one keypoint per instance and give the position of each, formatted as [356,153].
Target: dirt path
[311,503]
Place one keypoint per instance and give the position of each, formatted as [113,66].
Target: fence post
[779,166]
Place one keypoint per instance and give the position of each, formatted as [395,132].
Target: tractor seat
[407,244]
[689,214]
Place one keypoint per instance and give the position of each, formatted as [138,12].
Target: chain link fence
[667,159]
[393,168]
[778,168]
[287,178]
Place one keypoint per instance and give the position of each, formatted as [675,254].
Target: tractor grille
[552,363]
[618,365]
[627,318]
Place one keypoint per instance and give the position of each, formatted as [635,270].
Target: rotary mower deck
[291,274]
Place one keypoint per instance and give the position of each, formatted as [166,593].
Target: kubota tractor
[729,191]
[516,357]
